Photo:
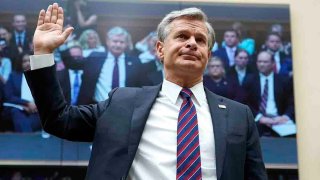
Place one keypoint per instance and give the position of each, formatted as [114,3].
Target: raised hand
[49,33]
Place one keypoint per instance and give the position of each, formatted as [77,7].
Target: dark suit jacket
[153,76]
[283,93]
[92,69]
[222,54]
[115,126]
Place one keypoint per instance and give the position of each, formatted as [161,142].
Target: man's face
[92,40]
[185,51]
[231,39]
[19,23]
[117,44]
[265,63]
[273,43]
[241,60]
[215,69]
[4,33]
[75,52]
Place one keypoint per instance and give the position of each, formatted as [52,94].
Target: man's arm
[57,117]
[254,166]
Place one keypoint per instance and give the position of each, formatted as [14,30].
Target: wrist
[42,51]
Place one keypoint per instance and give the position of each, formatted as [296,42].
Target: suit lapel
[144,101]
[219,122]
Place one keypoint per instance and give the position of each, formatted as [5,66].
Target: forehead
[264,57]
[215,62]
[19,18]
[230,33]
[273,38]
[242,53]
[187,24]
[118,37]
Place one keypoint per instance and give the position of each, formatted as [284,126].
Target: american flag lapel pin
[222,106]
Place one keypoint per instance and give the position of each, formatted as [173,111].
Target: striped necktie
[264,98]
[188,147]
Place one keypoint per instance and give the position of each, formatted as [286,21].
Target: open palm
[49,33]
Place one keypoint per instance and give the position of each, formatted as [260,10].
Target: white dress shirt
[241,74]
[231,52]
[104,83]
[156,156]
[277,60]
[271,108]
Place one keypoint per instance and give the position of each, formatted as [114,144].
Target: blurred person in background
[21,39]
[226,54]
[80,16]
[19,103]
[270,96]
[90,42]
[5,37]
[283,63]
[216,81]
[147,47]
[70,78]
[244,42]
[104,71]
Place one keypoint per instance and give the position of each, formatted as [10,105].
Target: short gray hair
[117,30]
[192,13]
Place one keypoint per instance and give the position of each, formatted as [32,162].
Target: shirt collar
[110,55]
[267,77]
[172,91]
[232,48]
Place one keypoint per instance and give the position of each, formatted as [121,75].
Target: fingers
[67,32]
[54,15]
[42,13]
[60,16]
[47,18]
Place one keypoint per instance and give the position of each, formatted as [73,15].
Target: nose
[192,44]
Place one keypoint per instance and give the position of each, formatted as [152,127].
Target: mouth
[190,56]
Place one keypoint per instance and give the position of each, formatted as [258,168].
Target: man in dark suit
[270,96]
[20,40]
[283,63]
[227,53]
[153,132]
[70,78]
[104,71]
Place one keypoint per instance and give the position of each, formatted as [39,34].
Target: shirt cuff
[41,61]
[258,117]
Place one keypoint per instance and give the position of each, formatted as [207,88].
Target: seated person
[215,80]
[270,96]
[19,104]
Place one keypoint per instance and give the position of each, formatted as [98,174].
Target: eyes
[184,37]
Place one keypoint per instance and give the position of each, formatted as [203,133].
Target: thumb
[67,32]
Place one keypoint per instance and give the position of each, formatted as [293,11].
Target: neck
[216,78]
[186,82]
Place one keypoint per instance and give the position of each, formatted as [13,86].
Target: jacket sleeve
[254,166]
[75,123]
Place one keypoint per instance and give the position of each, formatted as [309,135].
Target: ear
[160,52]
[209,54]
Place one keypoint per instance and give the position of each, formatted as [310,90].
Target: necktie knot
[185,93]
